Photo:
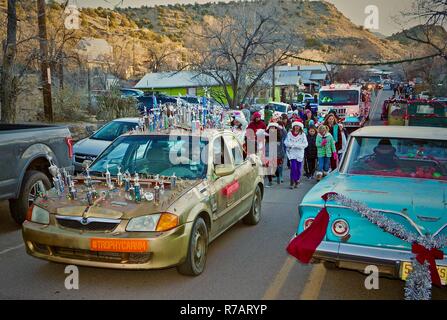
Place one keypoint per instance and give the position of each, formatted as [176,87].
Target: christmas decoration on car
[426,248]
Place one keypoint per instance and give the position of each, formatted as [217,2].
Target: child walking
[326,150]
[310,153]
[295,143]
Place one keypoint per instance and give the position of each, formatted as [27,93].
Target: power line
[360,64]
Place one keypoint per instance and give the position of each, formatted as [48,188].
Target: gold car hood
[115,206]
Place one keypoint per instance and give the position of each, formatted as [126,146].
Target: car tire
[31,184]
[253,217]
[197,250]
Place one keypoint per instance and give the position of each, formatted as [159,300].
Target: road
[244,263]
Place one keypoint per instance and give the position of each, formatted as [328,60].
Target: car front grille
[101,256]
[87,224]
[81,157]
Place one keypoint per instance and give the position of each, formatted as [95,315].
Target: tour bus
[349,102]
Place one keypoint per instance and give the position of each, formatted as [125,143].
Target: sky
[388,10]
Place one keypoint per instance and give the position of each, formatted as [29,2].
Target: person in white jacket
[295,143]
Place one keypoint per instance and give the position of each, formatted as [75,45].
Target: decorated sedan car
[392,179]
[150,200]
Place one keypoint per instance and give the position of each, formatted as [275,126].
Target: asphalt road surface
[244,263]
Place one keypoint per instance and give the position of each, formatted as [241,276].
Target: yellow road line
[313,286]
[277,284]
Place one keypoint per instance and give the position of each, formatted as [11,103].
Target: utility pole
[44,66]
[273,84]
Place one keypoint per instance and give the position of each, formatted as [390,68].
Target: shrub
[70,105]
[112,106]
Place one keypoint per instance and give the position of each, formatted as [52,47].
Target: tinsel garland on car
[427,248]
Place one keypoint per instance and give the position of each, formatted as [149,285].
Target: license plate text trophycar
[119,245]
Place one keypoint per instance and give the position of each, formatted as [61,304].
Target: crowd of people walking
[309,149]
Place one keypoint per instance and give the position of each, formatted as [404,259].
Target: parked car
[207,199]
[191,99]
[90,147]
[278,109]
[26,151]
[134,93]
[399,171]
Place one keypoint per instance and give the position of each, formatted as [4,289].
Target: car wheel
[197,250]
[34,182]
[253,217]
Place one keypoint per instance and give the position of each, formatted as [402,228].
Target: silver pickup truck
[25,154]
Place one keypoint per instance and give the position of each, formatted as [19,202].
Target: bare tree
[8,79]
[61,42]
[239,47]
[433,15]
[160,56]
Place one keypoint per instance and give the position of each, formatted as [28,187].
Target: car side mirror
[223,170]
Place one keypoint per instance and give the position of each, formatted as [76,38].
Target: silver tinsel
[418,285]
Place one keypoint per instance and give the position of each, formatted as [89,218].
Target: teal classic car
[400,172]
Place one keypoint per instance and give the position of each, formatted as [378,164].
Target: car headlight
[38,215]
[153,222]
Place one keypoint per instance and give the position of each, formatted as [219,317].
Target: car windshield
[112,130]
[412,158]
[155,154]
[339,98]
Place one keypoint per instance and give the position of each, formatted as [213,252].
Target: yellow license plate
[406,267]
[119,245]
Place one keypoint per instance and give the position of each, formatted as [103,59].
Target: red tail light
[340,228]
[69,142]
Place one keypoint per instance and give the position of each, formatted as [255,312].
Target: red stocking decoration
[304,245]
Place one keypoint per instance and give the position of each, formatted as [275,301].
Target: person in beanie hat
[295,143]
[325,150]
[310,153]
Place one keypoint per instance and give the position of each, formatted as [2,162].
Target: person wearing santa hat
[295,143]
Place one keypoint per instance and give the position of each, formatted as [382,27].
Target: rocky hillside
[437,34]
[325,29]
[327,33]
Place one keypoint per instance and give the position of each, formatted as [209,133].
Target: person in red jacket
[255,125]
